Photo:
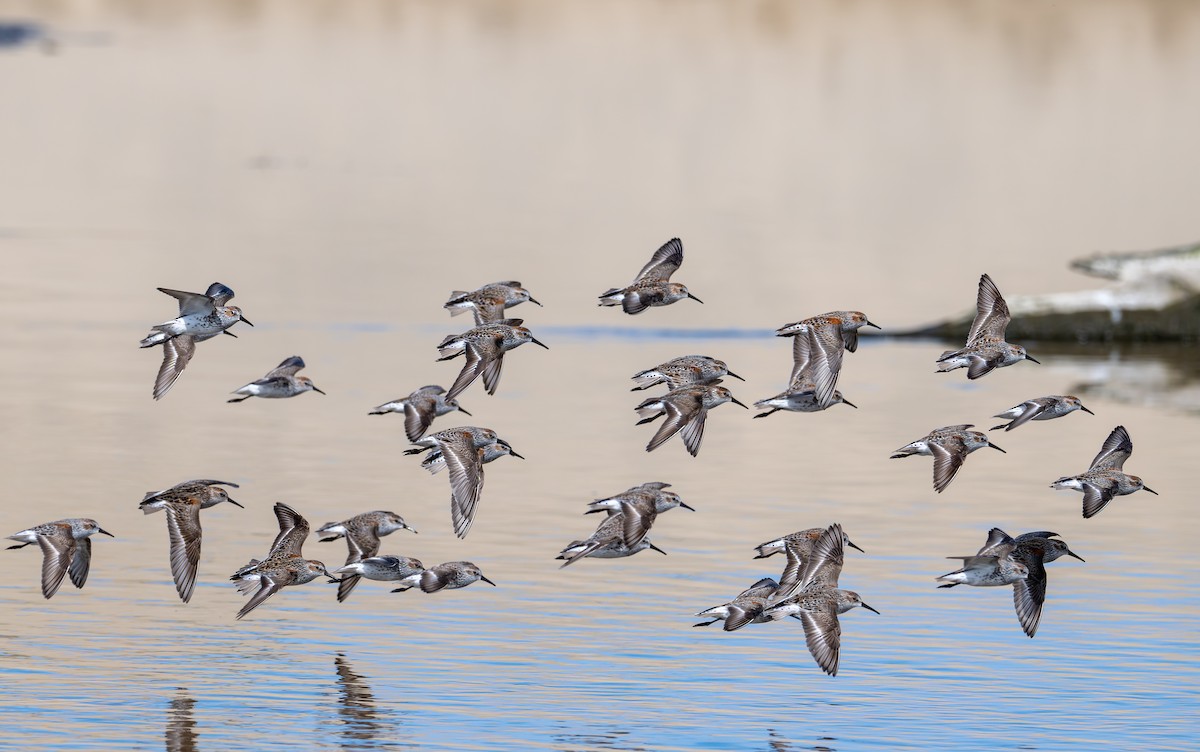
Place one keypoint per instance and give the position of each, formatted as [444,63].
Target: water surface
[344,166]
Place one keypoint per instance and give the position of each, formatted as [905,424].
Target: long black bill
[110,535]
[318,391]
[1077,556]
[687,506]
[998,449]
[536,342]
[734,375]
[231,501]
[877,326]
[487,580]
[656,548]
[848,402]
[868,607]
[231,334]
[734,401]
[464,412]
[246,321]
[693,297]
[851,545]
[531,300]
[1032,359]
[1089,412]
[1151,490]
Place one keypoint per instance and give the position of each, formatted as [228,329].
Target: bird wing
[824,564]
[823,634]
[991,312]
[1116,449]
[1030,593]
[491,372]
[177,352]
[58,552]
[191,303]
[417,419]
[639,515]
[465,464]
[184,534]
[81,562]
[293,529]
[1096,498]
[289,367]
[470,371]
[219,293]
[1030,409]
[692,432]
[266,588]
[948,457]
[824,363]
[360,547]
[488,312]
[996,538]
[663,263]
[789,581]
[981,366]
[676,419]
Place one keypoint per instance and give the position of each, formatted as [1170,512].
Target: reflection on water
[614,740]
[361,724]
[344,166]
[181,725]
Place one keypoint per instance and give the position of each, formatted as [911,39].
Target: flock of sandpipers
[806,590]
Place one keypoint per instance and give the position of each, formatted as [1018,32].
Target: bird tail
[457,303]
[611,297]
[156,337]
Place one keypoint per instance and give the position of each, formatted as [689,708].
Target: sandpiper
[462,450]
[209,492]
[484,347]
[802,542]
[818,601]
[986,571]
[384,568]
[686,409]
[1030,552]
[182,504]
[280,382]
[986,349]
[488,302]
[435,462]
[66,548]
[949,446]
[449,576]
[420,408]
[609,541]
[662,499]
[843,324]
[813,378]
[362,533]
[201,317]
[653,285]
[630,517]
[1039,408]
[747,607]
[1105,479]
[283,566]
[684,370]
